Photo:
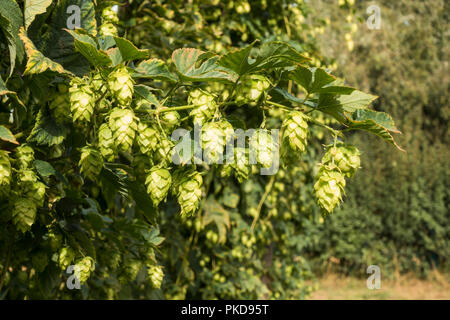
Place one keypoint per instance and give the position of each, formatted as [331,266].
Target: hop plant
[329,187]
[30,187]
[123,125]
[213,142]
[109,15]
[262,146]
[60,106]
[5,173]
[83,269]
[158,183]
[240,163]
[171,120]
[189,193]
[25,156]
[147,138]
[345,157]
[82,100]
[295,133]
[91,162]
[206,105]
[39,261]
[106,142]
[66,256]
[156,275]
[23,213]
[108,29]
[251,88]
[120,85]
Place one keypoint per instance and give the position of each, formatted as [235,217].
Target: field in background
[335,287]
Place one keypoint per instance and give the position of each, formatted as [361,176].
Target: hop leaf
[206,105]
[329,187]
[23,213]
[106,142]
[189,193]
[82,100]
[120,85]
[123,125]
[5,173]
[158,183]
[39,261]
[60,106]
[91,162]
[295,133]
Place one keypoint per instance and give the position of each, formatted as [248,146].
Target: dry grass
[334,287]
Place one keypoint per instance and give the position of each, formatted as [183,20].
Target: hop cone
[241,164]
[345,157]
[262,145]
[206,105]
[147,138]
[131,270]
[123,125]
[83,269]
[30,187]
[164,151]
[109,15]
[227,129]
[60,105]
[121,85]
[295,133]
[91,162]
[213,142]
[23,213]
[106,142]
[5,172]
[82,100]
[66,256]
[170,119]
[25,156]
[329,187]
[156,276]
[251,88]
[189,193]
[108,29]
[158,183]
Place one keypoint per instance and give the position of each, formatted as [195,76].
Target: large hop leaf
[82,100]
[23,213]
[156,275]
[329,187]
[123,125]
[5,172]
[158,183]
[147,138]
[295,133]
[262,146]
[250,88]
[213,142]
[121,85]
[91,162]
[206,105]
[106,142]
[189,193]
[345,157]
[25,156]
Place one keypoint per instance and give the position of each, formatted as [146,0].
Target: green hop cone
[39,261]
[82,100]
[91,162]
[147,138]
[120,85]
[23,213]
[329,187]
[295,133]
[251,88]
[345,157]
[83,269]
[156,275]
[189,193]
[66,257]
[25,156]
[262,146]
[5,173]
[108,29]
[241,164]
[164,151]
[170,120]
[106,142]
[213,142]
[158,183]
[109,15]
[54,238]
[123,125]
[30,187]
[130,271]
[206,105]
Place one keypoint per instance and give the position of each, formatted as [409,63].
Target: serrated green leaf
[46,130]
[154,69]
[196,65]
[237,60]
[115,56]
[145,92]
[129,51]
[87,46]
[317,80]
[44,168]
[214,212]
[7,135]
[33,8]
[10,20]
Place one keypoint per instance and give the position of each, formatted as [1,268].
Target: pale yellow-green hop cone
[30,187]
[295,133]
[108,29]
[263,147]
[130,271]
[189,194]
[25,156]
[82,100]
[109,15]
[241,164]
[121,85]
[156,275]
[164,151]
[329,187]
[91,162]
[106,142]
[158,183]
[83,269]
[66,257]
[345,157]
[123,125]
[5,173]
[206,105]
[170,120]
[251,88]
[23,213]
[147,139]
[60,106]
[213,142]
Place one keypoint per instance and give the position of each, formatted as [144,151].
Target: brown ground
[333,287]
